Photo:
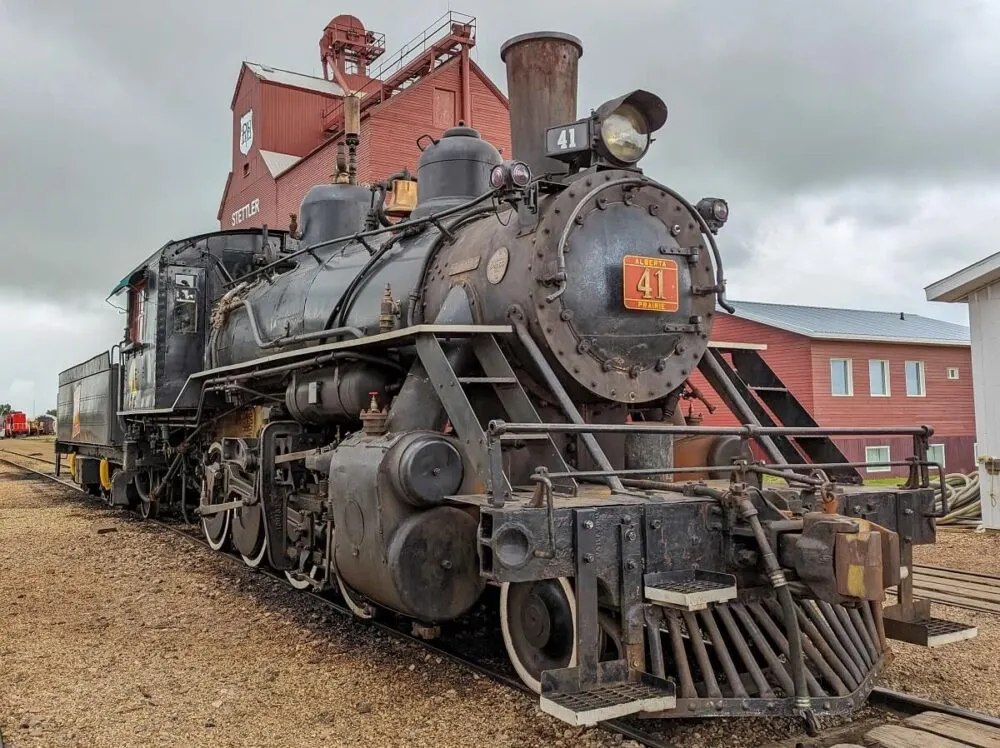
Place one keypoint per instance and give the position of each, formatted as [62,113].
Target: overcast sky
[856,141]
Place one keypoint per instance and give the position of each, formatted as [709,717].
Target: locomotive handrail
[756,468]
[747,431]
[290,339]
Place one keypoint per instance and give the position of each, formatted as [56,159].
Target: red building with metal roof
[286,125]
[850,367]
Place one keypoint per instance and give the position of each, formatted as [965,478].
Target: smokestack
[541,87]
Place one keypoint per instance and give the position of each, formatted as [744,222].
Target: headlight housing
[625,133]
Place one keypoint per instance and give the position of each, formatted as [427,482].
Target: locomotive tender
[486,393]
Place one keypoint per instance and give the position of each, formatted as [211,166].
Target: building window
[840,377]
[935,453]
[915,379]
[877,454]
[952,372]
[246,169]
[878,378]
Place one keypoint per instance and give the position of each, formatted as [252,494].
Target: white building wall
[984,324]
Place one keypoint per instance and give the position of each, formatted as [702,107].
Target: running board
[618,692]
[929,632]
[690,589]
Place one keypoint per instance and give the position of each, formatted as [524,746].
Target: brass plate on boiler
[496,268]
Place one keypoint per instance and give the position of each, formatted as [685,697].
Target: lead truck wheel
[538,622]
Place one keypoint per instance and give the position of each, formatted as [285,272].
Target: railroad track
[933,719]
[961,589]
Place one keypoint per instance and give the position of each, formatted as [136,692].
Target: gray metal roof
[853,324]
[298,80]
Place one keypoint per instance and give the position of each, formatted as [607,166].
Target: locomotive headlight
[510,175]
[498,177]
[520,174]
[625,133]
[715,211]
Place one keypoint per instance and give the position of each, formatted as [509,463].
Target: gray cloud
[117,125]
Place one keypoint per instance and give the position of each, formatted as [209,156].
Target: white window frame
[944,457]
[885,371]
[922,378]
[948,373]
[850,378]
[888,458]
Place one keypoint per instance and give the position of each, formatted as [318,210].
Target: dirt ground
[120,634]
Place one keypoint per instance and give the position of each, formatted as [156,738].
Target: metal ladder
[751,389]
[498,374]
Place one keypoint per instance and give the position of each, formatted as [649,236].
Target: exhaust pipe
[541,87]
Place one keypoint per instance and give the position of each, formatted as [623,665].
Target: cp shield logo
[246,132]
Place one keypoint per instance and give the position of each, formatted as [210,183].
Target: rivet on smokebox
[373,420]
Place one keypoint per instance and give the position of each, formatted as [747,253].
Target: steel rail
[613,726]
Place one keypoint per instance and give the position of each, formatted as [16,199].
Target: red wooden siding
[803,364]
[290,119]
[947,404]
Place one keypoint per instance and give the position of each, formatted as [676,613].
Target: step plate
[587,708]
[929,632]
[690,589]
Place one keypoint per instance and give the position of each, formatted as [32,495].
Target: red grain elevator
[286,125]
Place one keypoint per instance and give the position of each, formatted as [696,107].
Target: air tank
[329,211]
[454,170]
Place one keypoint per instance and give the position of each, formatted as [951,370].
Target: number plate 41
[650,283]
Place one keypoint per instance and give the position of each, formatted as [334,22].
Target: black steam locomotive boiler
[485,394]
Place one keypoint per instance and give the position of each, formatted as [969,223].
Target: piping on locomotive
[486,395]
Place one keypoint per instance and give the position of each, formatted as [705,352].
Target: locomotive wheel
[298,581]
[538,622]
[215,526]
[249,534]
[148,509]
[359,608]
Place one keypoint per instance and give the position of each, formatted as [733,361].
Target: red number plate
[650,283]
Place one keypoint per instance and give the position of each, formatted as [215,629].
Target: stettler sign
[249,210]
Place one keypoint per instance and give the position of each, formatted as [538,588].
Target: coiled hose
[963,500]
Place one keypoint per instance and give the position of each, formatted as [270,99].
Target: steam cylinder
[541,86]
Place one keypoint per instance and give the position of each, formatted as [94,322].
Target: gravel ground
[136,637]
[34,446]
[138,657]
[966,673]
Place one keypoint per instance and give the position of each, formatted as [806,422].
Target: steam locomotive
[485,394]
